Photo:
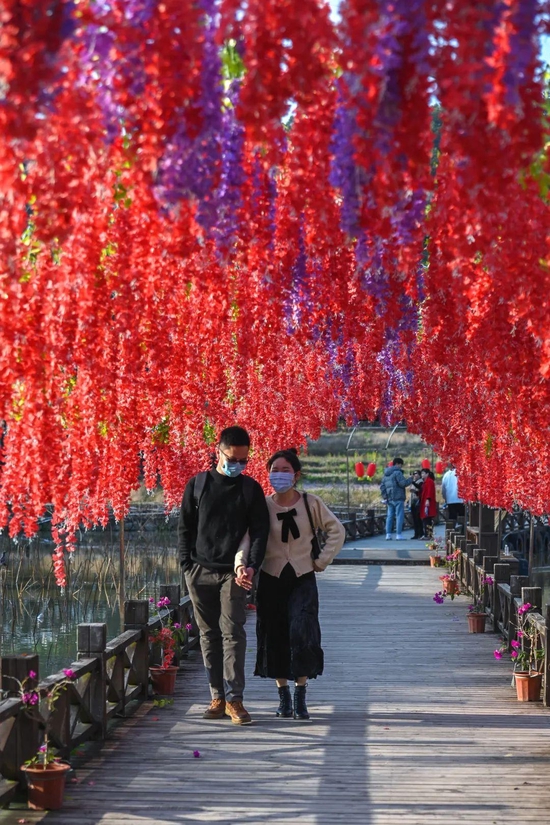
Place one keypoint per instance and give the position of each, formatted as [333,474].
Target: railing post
[532,596]
[371,523]
[24,737]
[173,592]
[491,595]
[501,575]
[546,696]
[136,617]
[488,563]
[91,642]
[479,555]
[517,583]
[514,565]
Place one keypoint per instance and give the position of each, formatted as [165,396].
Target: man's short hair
[234,437]
[397,461]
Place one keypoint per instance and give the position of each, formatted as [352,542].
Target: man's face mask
[232,467]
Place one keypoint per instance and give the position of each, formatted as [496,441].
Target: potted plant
[450,580]
[436,547]
[476,611]
[45,772]
[169,637]
[528,658]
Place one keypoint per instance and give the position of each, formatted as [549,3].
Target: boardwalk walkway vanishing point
[414,722]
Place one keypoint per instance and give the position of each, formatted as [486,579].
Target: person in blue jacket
[393,489]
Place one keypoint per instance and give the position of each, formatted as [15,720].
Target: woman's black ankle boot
[285,703]
[300,707]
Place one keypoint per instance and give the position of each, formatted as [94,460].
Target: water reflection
[37,617]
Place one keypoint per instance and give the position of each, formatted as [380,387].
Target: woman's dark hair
[234,437]
[289,455]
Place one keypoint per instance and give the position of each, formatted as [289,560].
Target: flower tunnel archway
[215,212]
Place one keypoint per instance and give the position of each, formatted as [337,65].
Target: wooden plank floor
[376,549]
[414,723]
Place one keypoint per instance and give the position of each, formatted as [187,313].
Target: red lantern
[371,469]
[439,467]
[426,464]
[360,469]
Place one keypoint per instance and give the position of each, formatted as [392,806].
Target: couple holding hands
[228,532]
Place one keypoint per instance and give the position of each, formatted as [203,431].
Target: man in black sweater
[217,510]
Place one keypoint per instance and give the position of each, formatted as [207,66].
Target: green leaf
[232,66]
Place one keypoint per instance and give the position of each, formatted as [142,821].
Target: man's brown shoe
[216,709]
[238,713]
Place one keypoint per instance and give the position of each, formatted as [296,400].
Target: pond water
[36,616]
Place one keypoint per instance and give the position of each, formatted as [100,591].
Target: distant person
[219,508]
[288,630]
[393,489]
[428,503]
[416,490]
[449,494]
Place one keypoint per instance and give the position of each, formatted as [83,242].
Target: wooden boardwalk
[376,550]
[414,723]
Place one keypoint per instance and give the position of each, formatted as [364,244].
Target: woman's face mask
[281,482]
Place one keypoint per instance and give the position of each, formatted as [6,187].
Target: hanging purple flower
[97,64]
[397,382]
[524,45]
[228,194]
[375,281]
[138,12]
[299,297]
[191,165]
[408,216]
[344,174]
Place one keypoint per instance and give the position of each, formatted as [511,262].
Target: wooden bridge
[414,722]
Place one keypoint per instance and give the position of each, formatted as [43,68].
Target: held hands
[244,577]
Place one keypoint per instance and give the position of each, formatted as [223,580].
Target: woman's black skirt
[289,636]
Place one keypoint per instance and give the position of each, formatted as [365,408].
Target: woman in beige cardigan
[289,636]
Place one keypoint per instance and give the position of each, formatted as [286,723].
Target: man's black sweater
[211,535]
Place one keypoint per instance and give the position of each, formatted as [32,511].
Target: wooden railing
[110,678]
[504,597]
[361,524]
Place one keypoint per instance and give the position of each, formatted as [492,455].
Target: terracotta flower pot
[450,586]
[164,680]
[476,622]
[436,561]
[528,686]
[46,786]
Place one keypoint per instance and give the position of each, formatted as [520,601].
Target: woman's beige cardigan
[297,552]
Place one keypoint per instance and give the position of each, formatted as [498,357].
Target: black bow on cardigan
[288,525]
